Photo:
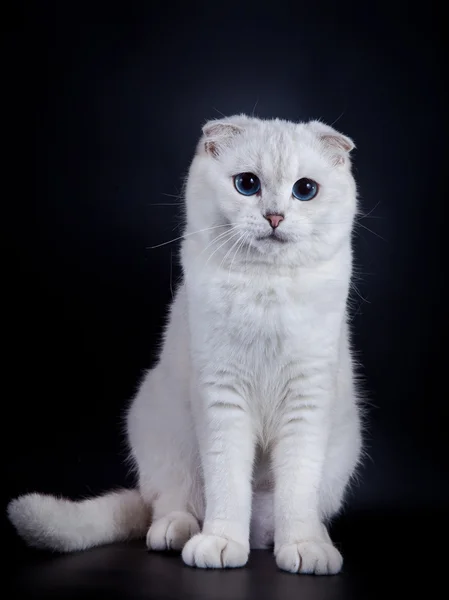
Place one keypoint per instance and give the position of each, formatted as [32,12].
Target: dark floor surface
[386,556]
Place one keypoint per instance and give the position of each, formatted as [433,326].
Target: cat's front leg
[227,453]
[302,544]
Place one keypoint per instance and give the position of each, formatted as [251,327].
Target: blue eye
[247,184]
[305,189]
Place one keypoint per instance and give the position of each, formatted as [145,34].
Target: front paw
[309,557]
[214,552]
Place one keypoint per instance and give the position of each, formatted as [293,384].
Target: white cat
[248,428]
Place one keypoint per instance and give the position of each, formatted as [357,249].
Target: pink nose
[274,220]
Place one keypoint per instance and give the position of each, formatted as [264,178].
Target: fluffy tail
[62,525]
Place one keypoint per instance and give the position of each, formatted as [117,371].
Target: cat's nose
[274,220]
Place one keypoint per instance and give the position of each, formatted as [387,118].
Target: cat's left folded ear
[336,143]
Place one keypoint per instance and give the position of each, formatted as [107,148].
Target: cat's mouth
[274,236]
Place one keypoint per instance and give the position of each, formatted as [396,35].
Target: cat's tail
[62,525]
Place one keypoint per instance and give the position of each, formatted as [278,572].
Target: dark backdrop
[103,109]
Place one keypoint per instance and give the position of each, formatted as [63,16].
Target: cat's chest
[258,309]
[260,320]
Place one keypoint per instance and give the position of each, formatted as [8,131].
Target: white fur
[249,423]
[59,524]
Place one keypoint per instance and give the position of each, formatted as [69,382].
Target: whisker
[243,238]
[187,235]
[329,222]
[221,245]
[229,251]
[211,243]
[171,273]
[178,196]
[220,113]
[371,211]
[217,238]
[255,106]
[248,248]
[371,231]
[338,118]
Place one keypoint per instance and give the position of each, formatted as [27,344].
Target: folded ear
[339,145]
[217,134]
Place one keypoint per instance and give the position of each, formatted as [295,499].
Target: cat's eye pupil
[247,183]
[305,189]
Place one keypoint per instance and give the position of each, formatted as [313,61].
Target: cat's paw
[172,531]
[309,557]
[214,552]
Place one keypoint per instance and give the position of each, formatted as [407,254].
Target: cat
[247,432]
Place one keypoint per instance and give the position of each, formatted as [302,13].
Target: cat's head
[272,190]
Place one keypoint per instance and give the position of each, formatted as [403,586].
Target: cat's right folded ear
[217,135]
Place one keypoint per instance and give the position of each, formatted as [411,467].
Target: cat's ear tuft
[338,144]
[217,134]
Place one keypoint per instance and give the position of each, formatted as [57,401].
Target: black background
[103,105]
